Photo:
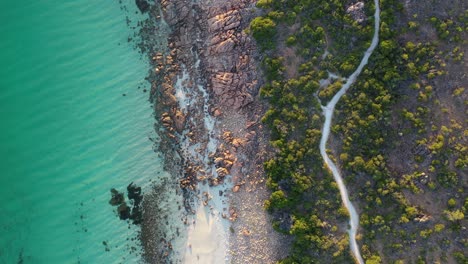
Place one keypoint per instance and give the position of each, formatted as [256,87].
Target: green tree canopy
[263,28]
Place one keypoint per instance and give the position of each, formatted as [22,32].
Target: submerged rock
[117,198]
[142,5]
[124,211]
[134,193]
[131,211]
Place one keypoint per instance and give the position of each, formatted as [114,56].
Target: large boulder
[179,121]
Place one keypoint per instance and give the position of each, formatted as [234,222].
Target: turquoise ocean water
[67,134]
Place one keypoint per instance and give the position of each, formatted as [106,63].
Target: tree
[454,216]
[388,46]
[264,30]
[264,3]
[278,200]
[299,227]
[374,260]
[451,203]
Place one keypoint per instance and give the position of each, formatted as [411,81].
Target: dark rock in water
[132,211]
[136,215]
[20,257]
[134,193]
[117,198]
[142,5]
[124,211]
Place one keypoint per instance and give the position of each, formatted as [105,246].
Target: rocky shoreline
[204,86]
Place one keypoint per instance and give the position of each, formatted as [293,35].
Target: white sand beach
[208,235]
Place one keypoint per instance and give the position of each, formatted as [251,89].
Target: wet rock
[213,181]
[166,120]
[117,198]
[169,99]
[142,5]
[176,11]
[179,121]
[134,193]
[227,164]
[219,161]
[222,172]
[158,57]
[123,211]
[136,215]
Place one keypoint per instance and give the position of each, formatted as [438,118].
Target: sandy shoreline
[207,237]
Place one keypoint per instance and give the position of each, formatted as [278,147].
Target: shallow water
[68,134]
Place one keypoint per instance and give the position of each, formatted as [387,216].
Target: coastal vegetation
[400,145]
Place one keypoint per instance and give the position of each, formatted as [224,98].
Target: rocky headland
[204,85]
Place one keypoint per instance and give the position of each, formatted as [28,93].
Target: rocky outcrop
[357,12]
[209,45]
[175,12]
[209,66]
[232,75]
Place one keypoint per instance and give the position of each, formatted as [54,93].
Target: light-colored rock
[217,113]
[236,188]
[238,142]
[226,21]
[225,46]
[357,12]
[222,172]
[179,121]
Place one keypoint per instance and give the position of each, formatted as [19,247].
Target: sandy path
[328,111]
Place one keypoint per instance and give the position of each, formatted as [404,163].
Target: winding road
[328,113]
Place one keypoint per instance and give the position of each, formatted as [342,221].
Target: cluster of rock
[357,12]
[208,41]
[223,160]
[231,73]
[126,211]
[158,232]
[142,5]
